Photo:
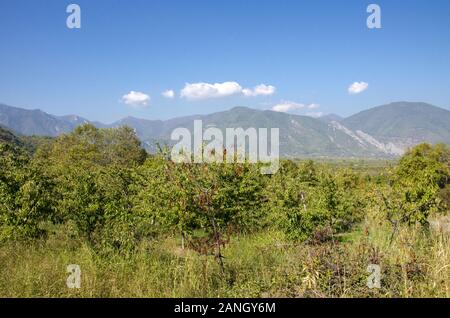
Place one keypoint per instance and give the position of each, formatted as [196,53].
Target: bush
[304,203]
[26,199]
[201,202]
[418,185]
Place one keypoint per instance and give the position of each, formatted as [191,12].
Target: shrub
[418,185]
[304,203]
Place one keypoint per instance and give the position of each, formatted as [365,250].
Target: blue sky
[306,53]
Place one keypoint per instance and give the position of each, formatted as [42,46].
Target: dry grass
[415,264]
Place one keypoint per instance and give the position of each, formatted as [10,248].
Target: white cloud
[313,106]
[315,114]
[260,90]
[168,94]
[198,91]
[206,90]
[357,87]
[286,106]
[136,99]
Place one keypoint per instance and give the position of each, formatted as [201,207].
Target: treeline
[100,186]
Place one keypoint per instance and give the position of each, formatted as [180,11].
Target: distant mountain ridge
[330,118]
[403,123]
[37,122]
[9,137]
[383,131]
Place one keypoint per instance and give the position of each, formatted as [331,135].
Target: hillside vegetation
[407,123]
[381,132]
[140,225]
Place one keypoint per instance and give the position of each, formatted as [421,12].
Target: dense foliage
[99,186]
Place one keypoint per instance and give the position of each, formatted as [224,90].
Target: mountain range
[383,131]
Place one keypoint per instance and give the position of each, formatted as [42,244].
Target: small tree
[417,186]
[304,203]
[26,195]
[92,169]
[211,198]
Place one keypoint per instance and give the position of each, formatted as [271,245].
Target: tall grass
[415,264]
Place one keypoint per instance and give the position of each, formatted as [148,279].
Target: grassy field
[415,264]
[140,225]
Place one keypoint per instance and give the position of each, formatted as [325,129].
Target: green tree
[93,170]
[211,198]
[26,199]
[305,203]
[418,183]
